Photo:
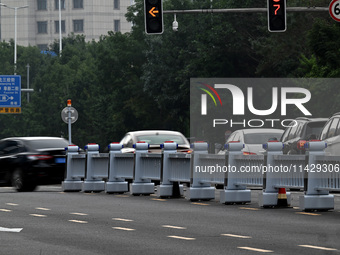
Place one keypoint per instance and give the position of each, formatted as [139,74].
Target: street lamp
[15,31]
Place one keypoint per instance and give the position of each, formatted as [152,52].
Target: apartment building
[38,20]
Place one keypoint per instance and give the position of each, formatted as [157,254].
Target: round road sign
[334,10]
[74,114]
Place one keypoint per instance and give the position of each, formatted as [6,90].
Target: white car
[154,138]
[254,138]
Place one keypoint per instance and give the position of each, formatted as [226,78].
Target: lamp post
[15,31]
[60,37]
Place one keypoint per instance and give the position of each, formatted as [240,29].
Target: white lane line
[183,238]
[318,247]
[237,236]
[38,215]
[125,229]
[80,214]
[15,230]
[12,204]
[174,227]
[42,209]
[5,210]
[255,249]
[78,221]
[120,219]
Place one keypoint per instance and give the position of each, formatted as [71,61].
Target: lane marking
[120,219]
[249,208]
[122,196]
[199,204]
[183,238]
[78,221]
[306,213]
[125,229]
[38,215]
[80,214]
[5,210]
[237,236]
[12,204]
[153,195]
[296,208]
[318,247]
[42,209]
[158,199]
[15,230]
[174,227]
[255,249]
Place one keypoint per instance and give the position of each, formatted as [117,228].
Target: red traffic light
[277,15]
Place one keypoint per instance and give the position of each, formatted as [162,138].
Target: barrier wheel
[194,200]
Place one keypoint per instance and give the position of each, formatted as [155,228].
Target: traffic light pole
[246,10]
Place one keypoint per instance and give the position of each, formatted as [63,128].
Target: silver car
[254,138]
[331,135]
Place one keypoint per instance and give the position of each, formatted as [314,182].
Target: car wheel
[19,183]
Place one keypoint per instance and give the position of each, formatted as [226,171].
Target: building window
[116,4]
[78,4]
[42,4]
[116,25]
[42,27]
[62,3]
[78,25]
[42,47]
[56,25]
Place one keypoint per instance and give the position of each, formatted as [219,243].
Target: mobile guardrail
[175,170]
[121,167]
[318,182]
[96,169]
[241,171]
[75,169]
[147,168]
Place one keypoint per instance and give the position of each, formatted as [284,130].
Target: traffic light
[153,16]
[277,15]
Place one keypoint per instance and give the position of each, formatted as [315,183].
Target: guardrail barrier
[314,173]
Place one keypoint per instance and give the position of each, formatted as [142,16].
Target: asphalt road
[49,221]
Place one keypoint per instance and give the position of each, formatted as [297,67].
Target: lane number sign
[334,10]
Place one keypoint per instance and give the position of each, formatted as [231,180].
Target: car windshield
[47,143]
[160,139]
[314,129]
[260,138]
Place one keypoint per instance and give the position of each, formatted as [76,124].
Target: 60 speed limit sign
[334,10]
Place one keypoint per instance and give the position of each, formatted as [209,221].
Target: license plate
[60,160]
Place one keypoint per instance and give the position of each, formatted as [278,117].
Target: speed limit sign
[334,10]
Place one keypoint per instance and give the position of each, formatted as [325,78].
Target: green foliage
[135,81]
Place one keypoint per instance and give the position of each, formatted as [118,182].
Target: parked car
[300,131]
[26,162]
[254,138]
[154,138]
[331,135]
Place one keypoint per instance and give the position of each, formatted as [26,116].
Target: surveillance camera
[175,25]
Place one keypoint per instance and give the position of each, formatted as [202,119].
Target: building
[38,24]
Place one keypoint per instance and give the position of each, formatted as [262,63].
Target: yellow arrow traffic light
[153,11]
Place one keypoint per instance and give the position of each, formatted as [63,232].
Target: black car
[26,162]
[299,132]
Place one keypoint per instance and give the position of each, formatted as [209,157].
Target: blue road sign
[10,91]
